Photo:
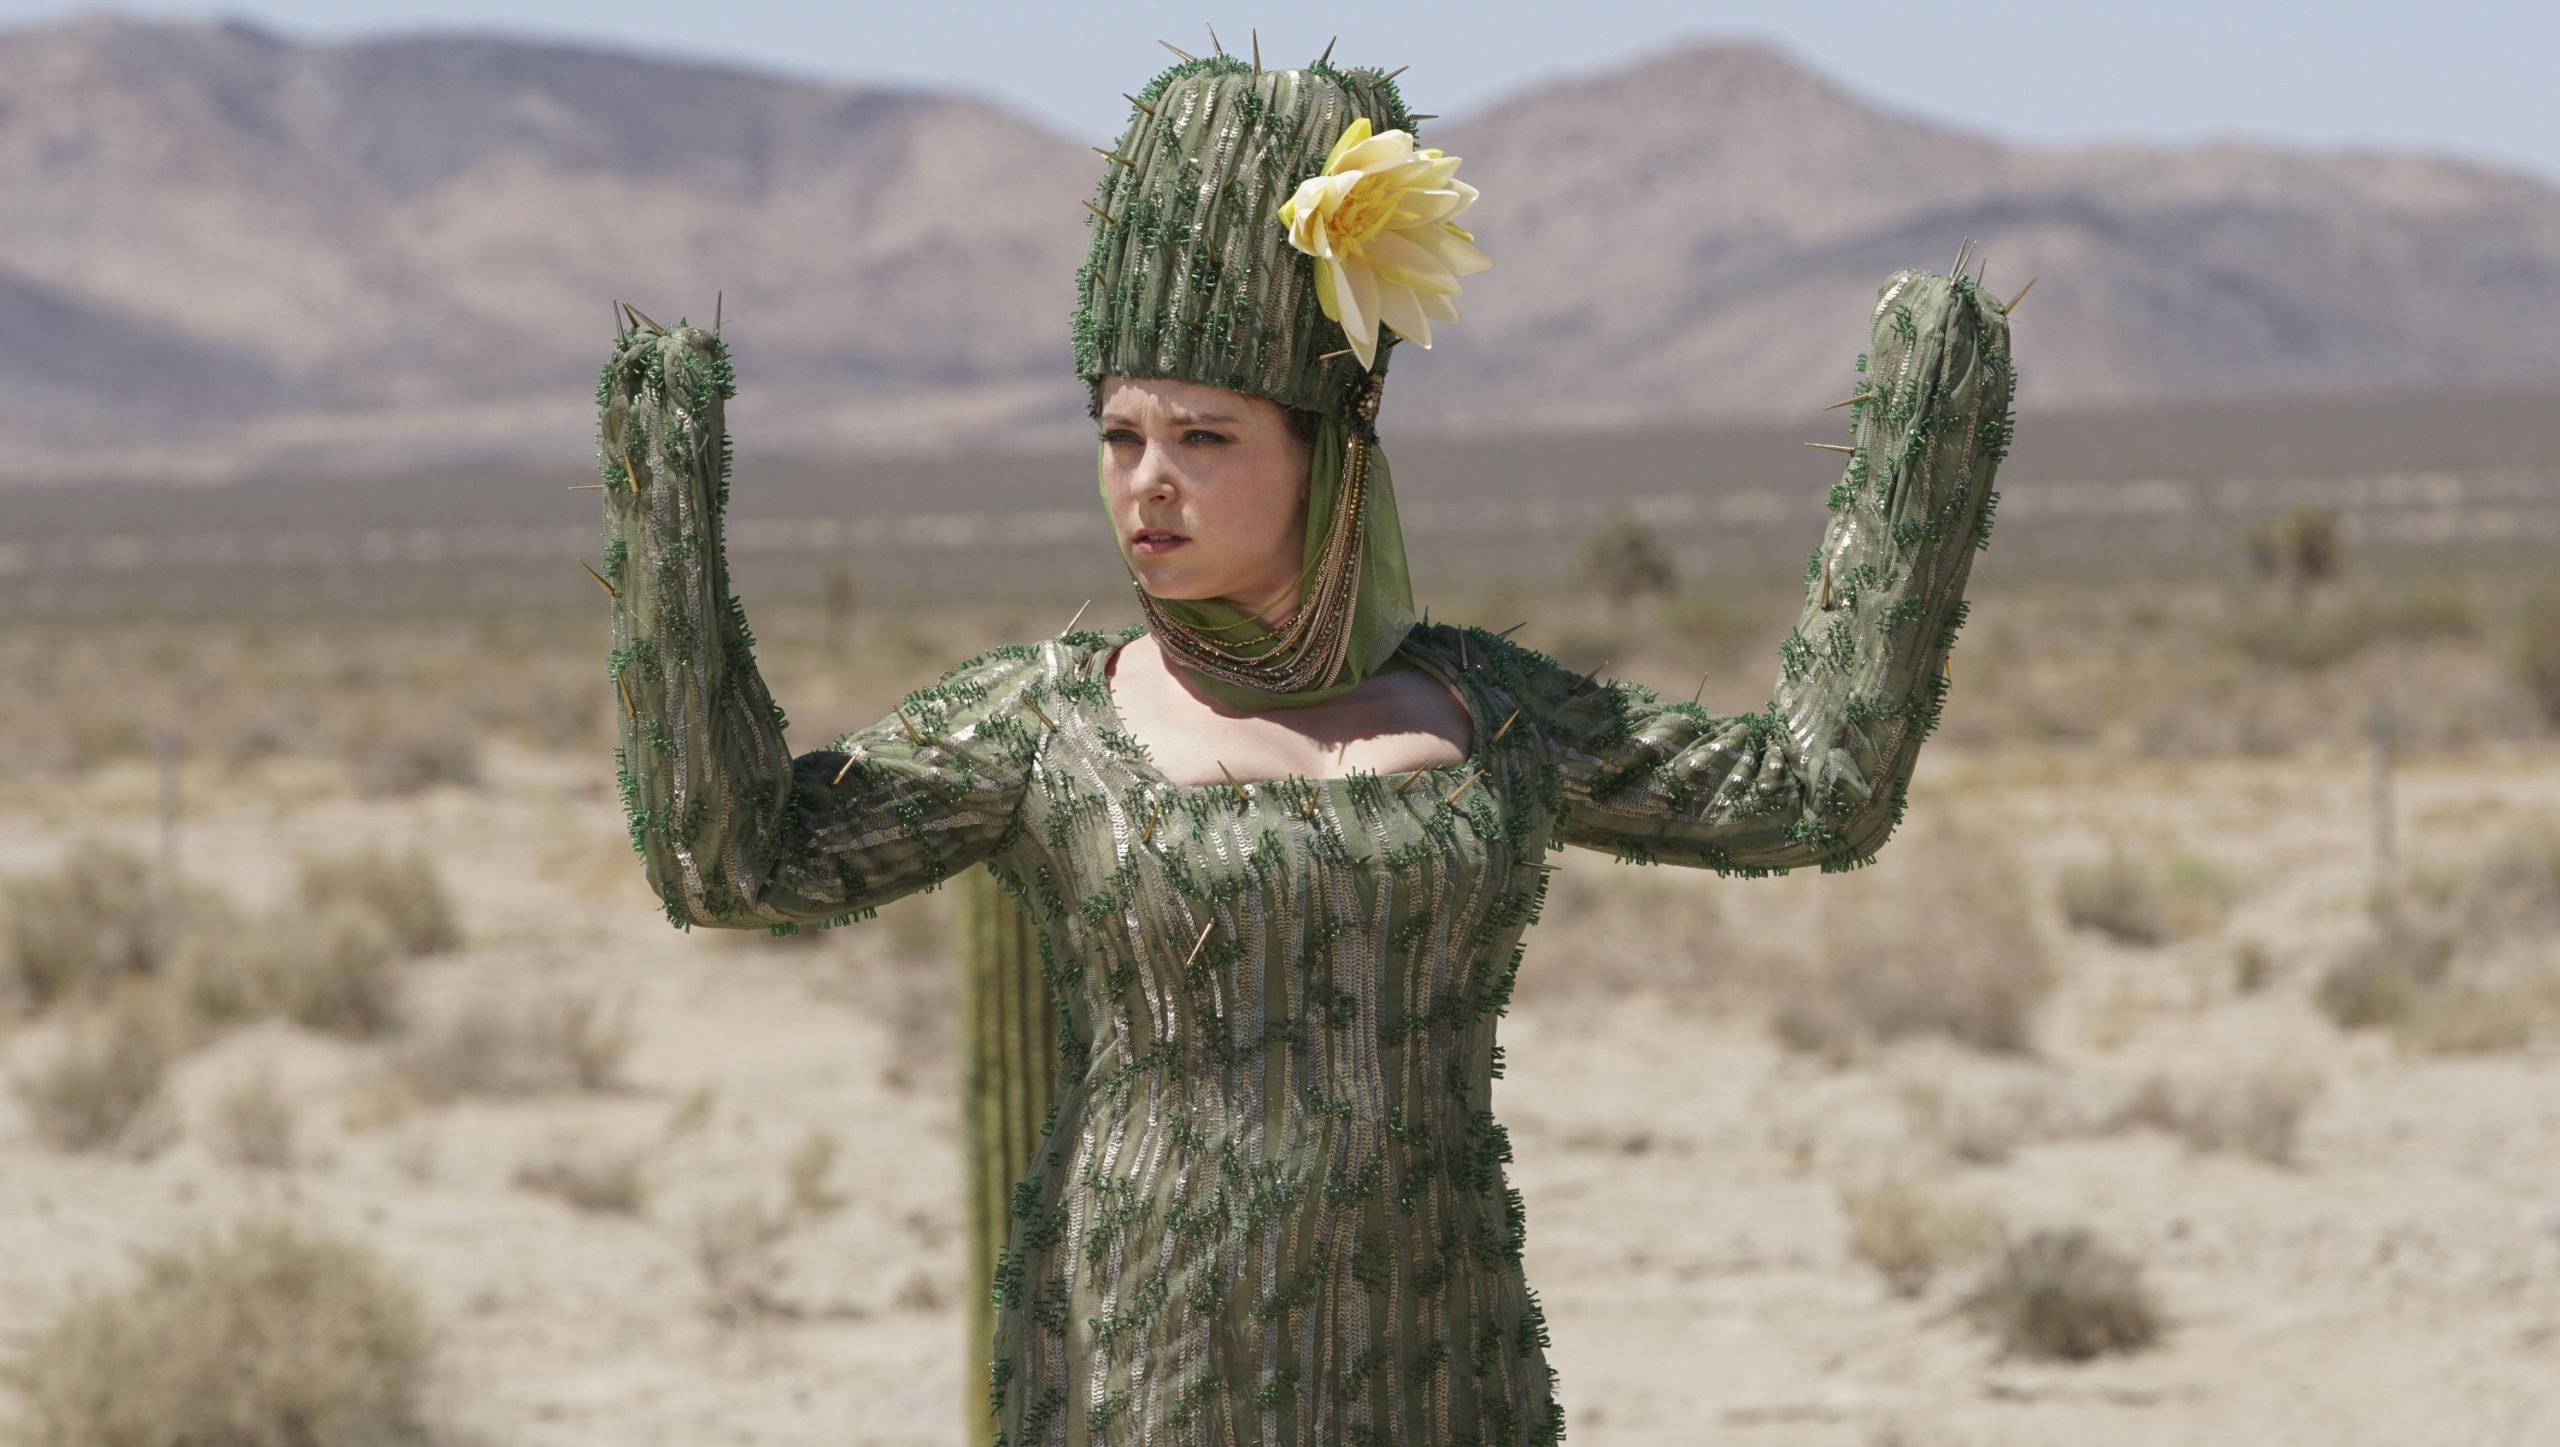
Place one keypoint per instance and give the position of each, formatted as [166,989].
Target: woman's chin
[1169,585]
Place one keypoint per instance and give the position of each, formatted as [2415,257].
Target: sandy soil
[2398,1284]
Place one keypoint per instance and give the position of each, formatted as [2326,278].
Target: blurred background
[2182,1071]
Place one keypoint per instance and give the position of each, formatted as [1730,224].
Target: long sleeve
[731,828]
[1819,776]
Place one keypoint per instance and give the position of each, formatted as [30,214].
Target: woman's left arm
[1819,776]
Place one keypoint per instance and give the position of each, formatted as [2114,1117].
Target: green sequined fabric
[1269,1204]
[1191,274]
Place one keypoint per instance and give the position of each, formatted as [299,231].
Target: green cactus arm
[1819,776]
[732,830]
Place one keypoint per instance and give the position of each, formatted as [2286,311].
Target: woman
[1280,842]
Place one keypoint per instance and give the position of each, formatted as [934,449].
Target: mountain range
[227,252]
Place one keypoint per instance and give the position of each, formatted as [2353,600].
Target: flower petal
[1398,308]
[1385,149]
[1356,287]
[1328,300]
[1421,208]
[1452,247]
[1352,135]
[1405,262]
[1436,306]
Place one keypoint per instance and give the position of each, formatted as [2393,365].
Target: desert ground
[2185,1070]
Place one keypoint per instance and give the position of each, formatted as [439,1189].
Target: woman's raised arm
[1819,776]
[733,830]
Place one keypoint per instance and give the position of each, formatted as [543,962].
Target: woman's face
[1208,492]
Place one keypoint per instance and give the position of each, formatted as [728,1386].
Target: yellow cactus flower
[1380,220]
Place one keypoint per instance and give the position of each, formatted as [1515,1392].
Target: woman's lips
[1150,544]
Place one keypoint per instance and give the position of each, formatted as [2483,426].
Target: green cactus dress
[1270,1205]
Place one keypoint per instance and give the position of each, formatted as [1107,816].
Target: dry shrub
[252,1125]
[2062,1295]
[2197,893]
[2378,978]
[587,1039]
[2304,636]
[737,1244]
[225,972]
[404,889]
[2536,655]
[2258,1115]
[2116,896]
[804,1177]
[1980,1129]
[692,1113]
[269,1337]
[2511,888]
[1945,946]
[2471,1020]
[1909,1234]
[337,971]
[105,1086]
[562,1040]
[76,931]
[2252,968]
[410,754]
[603,1183]
[737,1251]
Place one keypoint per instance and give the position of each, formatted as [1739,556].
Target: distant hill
[224,251]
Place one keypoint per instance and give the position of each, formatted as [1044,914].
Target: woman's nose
[1155,479]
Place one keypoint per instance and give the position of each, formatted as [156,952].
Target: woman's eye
[1118,435]
[1201,435]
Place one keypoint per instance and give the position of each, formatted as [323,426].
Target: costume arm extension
[1819,776]
[732,830]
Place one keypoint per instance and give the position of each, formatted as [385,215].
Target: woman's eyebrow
[1177,416]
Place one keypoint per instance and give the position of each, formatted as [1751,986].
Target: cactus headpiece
[1251,232]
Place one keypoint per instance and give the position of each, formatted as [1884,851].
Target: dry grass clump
[252,1125]
[271,1336]
[2117,896]
[76,931]
[1982,1129]
[2308,633]
[2136,900]
[737,1243]
[2257,1115]
[2399,977]
[2427,969]
[562,1040]
[2511,888]
[337,968]
[1909,1233]
[411,753]
[2062,1295]
[600,1183]
[2472,1020]
[2376,980]
[340,972]
[1945,945]
[334,965]
[737,1252]
[2252,967]
[104,1088]
[404,889]
[2535,657]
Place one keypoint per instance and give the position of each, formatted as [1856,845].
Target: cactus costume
[1269,1202]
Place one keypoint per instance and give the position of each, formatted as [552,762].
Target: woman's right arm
[732,829]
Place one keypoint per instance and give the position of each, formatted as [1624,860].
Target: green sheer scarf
[1382,603]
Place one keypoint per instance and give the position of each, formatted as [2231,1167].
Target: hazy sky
[2460,77]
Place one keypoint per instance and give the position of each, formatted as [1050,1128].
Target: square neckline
[1142,760]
